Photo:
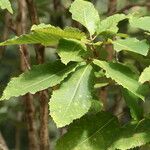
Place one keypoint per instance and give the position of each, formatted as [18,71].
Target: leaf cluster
[79,60]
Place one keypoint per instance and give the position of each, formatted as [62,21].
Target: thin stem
[22,50]
[96,55]
[44,133]
[30,113]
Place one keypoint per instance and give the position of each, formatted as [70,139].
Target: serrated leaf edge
[109,76]
[40,88]
[59,126]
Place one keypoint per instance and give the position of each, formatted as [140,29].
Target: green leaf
[96,106]
[132,135]
[73,99]
[145,76]
[99,85]
[141,23]
[70,50]
[46,35]
[131,44]
[132,102]
[103,132]
[123,76]
[85,13]
[5,4]
[110,23]
[91,132]
[38,78]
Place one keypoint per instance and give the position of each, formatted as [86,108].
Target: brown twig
[5,32]
[24,61]
[25,65]
[44,133]
[43,95]
[18,131]
[32,12]
[112,5]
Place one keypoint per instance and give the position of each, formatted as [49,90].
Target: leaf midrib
[98,131]
[50,76]
[75,91]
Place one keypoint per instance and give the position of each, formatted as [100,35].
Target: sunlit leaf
[46,35]
[132,45]
[145,76]
[5,4]
[73,99]
[85,13]
[123,76]
[38,78]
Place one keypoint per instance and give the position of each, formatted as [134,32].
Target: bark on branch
[25,65]
[43,95]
